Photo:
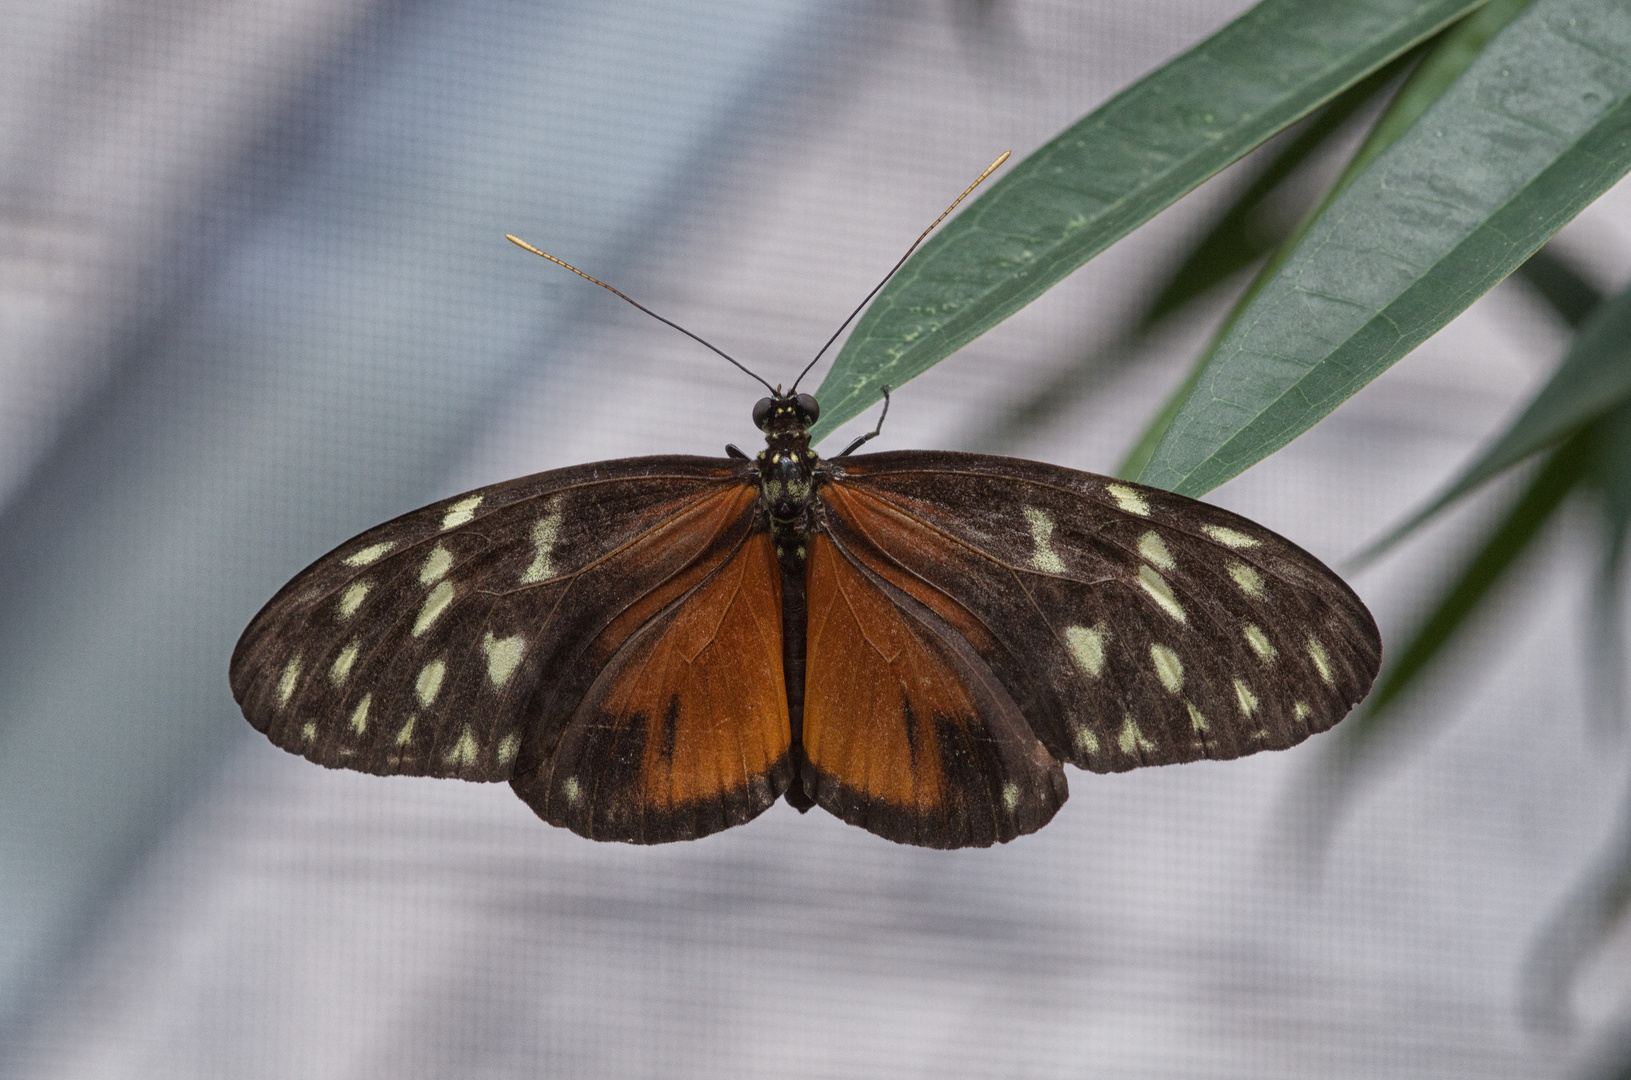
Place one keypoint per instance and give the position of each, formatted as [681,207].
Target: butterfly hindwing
[908,731]
[685,730]
[1131,626]
[460,639]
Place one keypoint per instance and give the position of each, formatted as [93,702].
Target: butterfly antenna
[862,307]
[518,242]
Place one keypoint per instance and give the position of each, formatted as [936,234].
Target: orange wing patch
[887,528]
[908,733]
[686,731]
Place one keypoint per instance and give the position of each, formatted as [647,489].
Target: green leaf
[1447,58]
[1595,376]
[1111,172]
[1454,52]
[1567,465]
[1535,129]
[1234,243]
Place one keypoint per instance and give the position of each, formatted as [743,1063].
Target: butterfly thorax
[788,473]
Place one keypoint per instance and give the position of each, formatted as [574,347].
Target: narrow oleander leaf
[1447,57]
[1114,170]
[1534,508]
[1451,55]
[1535,129]
[1238,238]
[1594,378]
[1241,236]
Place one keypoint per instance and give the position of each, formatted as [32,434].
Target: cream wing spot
[1128,499]
[1087,647]
[1196,720]
[436,565]
[341,670]
[1044,558]
[1260,643]
[461,512]
[1154,549]
[465,751]
[359,716]
[1322,662]
[1010,796]
[1168,668]
[1228,537]
[1131,740]
[503,656]
[1159,591]
[507,747]
[1088,742]
[405,736]
[286,682]
[544,536]
[429,682]
[1247,578]
[352,598]
[1301,711]
[572,790]
[1247,699]
[308,732]
[436,603]
[370,554]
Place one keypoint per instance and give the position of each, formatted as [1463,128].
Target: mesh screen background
[254,298]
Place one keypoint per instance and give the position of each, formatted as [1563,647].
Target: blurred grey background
[254,297]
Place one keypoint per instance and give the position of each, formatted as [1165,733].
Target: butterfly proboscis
[658,648]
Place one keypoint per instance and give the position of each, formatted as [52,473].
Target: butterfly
[658,648]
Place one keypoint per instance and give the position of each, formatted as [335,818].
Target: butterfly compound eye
[809,406]
[761,413]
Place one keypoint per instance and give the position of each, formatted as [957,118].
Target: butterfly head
[786,412]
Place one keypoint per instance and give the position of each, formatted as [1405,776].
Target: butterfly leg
[873,434]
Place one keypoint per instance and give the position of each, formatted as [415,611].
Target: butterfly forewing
[461,639]
[1131,626]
